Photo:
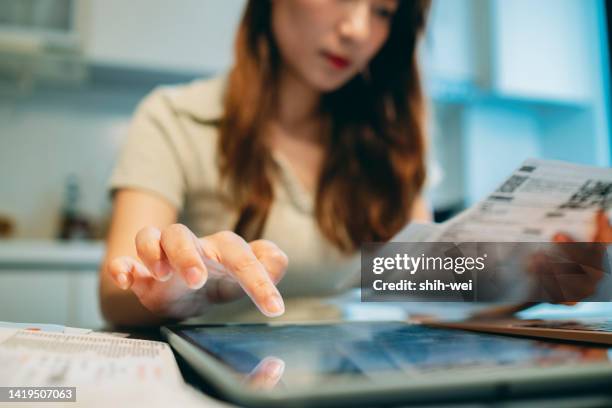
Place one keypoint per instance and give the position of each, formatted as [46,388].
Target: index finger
[240,261]
[266,374]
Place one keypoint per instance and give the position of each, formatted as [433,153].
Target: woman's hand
[603,230]
[178,274]
[573,281]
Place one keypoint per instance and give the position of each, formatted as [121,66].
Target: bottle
[74,225]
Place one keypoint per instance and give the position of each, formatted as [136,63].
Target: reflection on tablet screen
[306,355]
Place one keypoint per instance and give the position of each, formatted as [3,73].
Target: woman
[313,144]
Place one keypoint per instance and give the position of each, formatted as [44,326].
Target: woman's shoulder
[172,138]
[200,100]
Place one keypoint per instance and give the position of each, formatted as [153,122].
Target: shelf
[50,255]
[467,93]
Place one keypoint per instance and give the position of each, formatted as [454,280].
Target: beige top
[171,151]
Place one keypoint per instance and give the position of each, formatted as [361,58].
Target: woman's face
[327,42]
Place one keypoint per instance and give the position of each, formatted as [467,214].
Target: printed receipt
[39,358]
[539,199]
[104,369]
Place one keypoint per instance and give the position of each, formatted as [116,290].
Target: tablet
[365,363]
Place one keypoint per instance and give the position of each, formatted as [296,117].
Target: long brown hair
[374,164]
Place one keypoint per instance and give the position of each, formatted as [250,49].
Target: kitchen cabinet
[543,48]
[179,35]
[50,282]
[521,49]
[456,47]
[534,84]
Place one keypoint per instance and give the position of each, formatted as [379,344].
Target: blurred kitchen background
[508,80]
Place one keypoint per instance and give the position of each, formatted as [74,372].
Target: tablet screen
[306,355]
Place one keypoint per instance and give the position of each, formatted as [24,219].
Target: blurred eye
[384,12]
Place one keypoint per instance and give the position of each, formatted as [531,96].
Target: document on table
[104,369]
[539,199]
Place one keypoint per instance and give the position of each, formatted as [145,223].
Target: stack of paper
[105,369]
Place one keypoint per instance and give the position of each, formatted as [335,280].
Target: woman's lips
[337,61]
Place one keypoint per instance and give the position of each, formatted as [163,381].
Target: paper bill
[44,358]
[539,199]
[105,370]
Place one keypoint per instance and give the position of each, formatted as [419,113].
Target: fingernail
[163,274]
[123,281]
[275,306]
[277,368]
[194,278]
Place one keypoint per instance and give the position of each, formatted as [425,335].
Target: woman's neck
[297,104]
[297,129]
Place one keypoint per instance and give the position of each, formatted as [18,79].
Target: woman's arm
[132,211]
